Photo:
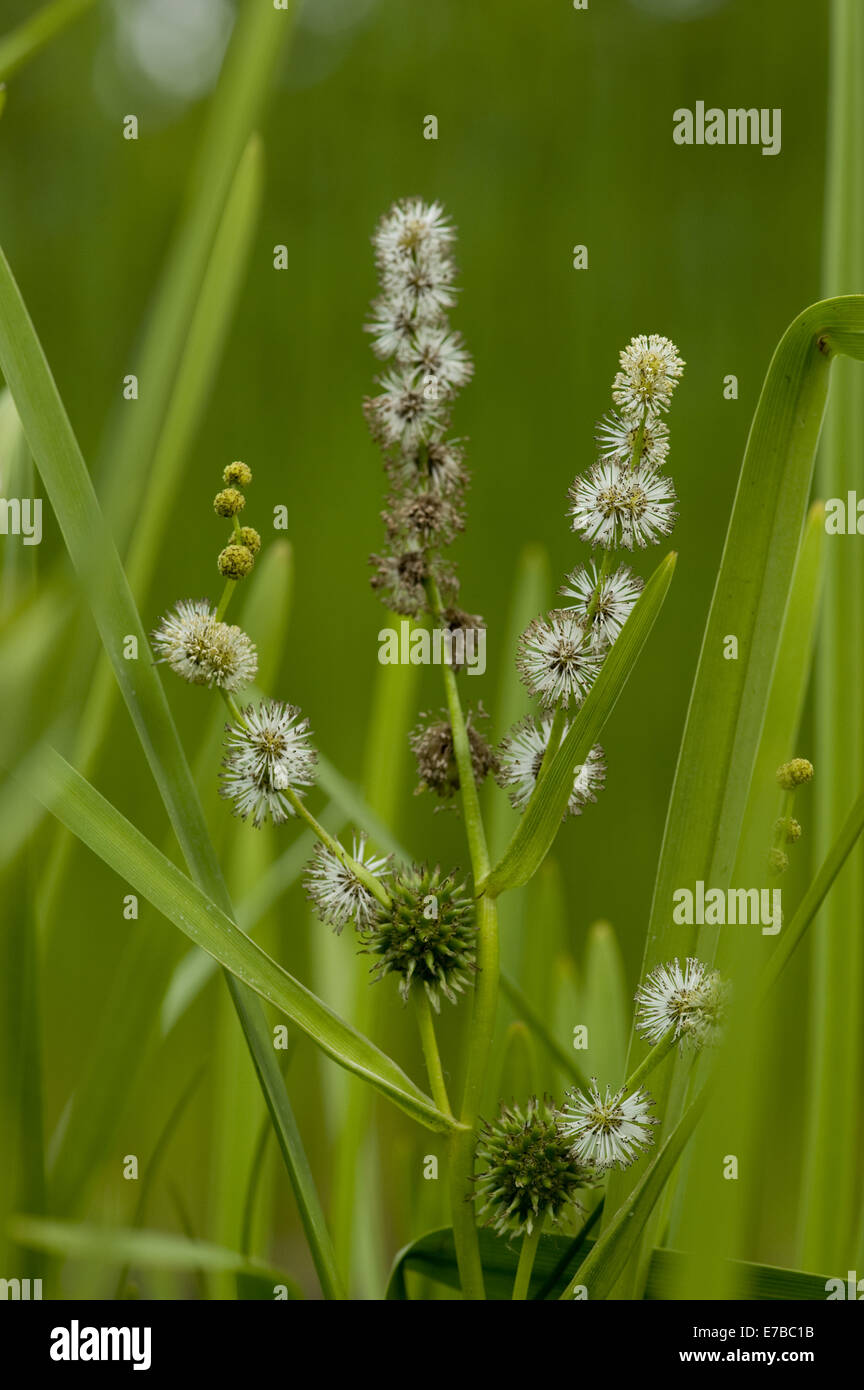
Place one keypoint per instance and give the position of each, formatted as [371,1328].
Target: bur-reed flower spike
[556,659]
[268,753]
[618,435]
[248,536]
[607,1131]
[692,1002]
[338,894]
[520,757]
[429,364]
[237,474]
[605,602]
[527,1172]
[614,505]
[794,773]
[432,745]
[229,502]
[204,651]
[427,935]
[650,371]
[235,561]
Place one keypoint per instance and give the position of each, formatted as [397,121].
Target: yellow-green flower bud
[228,502]
[235,561]
[789,828]
[249,537]
[238,474]
[778,861]
[790,775]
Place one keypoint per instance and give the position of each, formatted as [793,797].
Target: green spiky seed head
[778,861]
[238,474]
[249,537]
[790,775]
[229,502]
[427,934]
[235,561]
[789,828]
[526,1171]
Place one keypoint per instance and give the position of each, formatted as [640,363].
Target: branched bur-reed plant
[436,934]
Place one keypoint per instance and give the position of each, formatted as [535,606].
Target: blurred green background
[554,129]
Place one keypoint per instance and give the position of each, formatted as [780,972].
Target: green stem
[530,1242]
[485,1009]
[35,33]
[654,1058]
[230,586]
[429,1042]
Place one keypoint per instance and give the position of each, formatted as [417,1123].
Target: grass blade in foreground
[727,705]
[542,818]
[98,824]
[35,33]
[91,548]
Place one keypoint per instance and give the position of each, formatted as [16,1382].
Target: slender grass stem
[29,38]
[227,593]
[530,1243]
[654,1058]
[556,733]
[482,1028]
[429,1042]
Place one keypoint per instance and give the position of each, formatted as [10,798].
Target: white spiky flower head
[267,754]
[338,894]
[438,353]
[607,1131]
[413,230]
[618,435]
[520,757]
[692,1002]
[557,660]
[650,370]
[613,505]
[202,650]
[605,603]
[407,412]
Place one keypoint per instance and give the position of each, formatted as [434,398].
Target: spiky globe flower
[268,753]
[235,561]
[650,371]
[789,828]
[778,862]
[520,757]
[557,660]
[249,537]
[432,745]
[202,650]
[237,474]
[607,1131]
[229,502]
[338,894]
[605,603]
[691,1002]
[614,505]
[792,774]
[527,1171]
[617,437]
[426,936]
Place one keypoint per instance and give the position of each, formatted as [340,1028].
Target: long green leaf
[727,705]
[21,44]
[116,841]
[144,1249]
[542,817]
[434,1256]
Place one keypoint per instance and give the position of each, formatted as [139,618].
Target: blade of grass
[541,819]
[727,705]
[834,1076]
[144,1249]
[64,475]
[115,840]
[26,41]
